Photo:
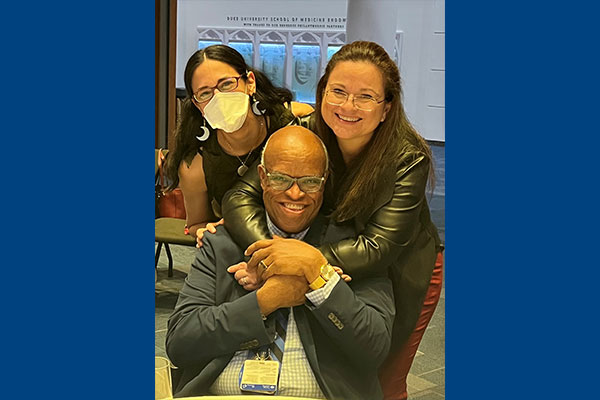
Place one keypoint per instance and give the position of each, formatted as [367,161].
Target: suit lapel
[316,232]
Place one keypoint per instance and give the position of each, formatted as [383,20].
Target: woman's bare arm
[195,195]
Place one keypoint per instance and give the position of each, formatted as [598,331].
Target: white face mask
[227,111]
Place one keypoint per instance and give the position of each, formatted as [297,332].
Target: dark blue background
[521,209]
[77,249]
[521,228]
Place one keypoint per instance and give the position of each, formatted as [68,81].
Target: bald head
[292,174]
[295,142]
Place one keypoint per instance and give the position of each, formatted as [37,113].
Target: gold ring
[244,281]
[262,264]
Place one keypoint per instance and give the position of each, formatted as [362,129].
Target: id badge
[260,376]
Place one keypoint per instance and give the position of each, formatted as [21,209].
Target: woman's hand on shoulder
[210,227]
[340,272]
[301,109]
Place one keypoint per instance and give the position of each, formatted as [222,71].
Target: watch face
[327,272]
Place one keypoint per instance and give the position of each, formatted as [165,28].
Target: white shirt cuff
[318,297]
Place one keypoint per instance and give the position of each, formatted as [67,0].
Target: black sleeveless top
[220,168]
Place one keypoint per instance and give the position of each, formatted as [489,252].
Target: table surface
[243,397]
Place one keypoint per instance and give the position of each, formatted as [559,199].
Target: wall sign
[287,22]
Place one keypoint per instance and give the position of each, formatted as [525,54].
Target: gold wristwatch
[326,274]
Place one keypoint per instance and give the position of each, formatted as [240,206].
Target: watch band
[323,278]
[317,283]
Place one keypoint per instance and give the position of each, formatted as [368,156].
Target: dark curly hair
[186,144]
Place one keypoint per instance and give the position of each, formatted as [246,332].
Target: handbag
[168,204]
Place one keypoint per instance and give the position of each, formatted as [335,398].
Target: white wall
[422,65]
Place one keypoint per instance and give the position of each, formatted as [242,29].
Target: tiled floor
[426,380]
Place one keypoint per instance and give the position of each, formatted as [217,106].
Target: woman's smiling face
[354,78]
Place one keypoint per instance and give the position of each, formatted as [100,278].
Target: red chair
[393,372]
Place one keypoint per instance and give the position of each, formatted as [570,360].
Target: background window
[245,49]
[331,50]
[305,72]
[205,43]
[272,60]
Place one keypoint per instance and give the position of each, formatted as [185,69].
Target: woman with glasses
[380,168]
[229,112]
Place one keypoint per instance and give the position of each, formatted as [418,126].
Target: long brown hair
[364,174]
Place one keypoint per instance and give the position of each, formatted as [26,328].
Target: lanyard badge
[260,375]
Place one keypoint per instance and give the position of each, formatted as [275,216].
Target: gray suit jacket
[345,339]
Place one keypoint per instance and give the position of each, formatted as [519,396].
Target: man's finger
[239,275]
[251,286]
[236,267]
[260,244]
[257,257]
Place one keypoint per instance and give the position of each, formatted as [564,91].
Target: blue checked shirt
[297,378]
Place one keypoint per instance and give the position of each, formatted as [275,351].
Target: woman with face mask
[229,112]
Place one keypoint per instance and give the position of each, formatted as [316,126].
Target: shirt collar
[276,231]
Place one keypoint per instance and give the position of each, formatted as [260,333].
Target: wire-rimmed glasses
[364,102]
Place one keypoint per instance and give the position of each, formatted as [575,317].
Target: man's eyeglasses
[364,102]
[308,184]
[224,85]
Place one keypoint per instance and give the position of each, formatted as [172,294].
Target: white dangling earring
[255,104]
[205,133]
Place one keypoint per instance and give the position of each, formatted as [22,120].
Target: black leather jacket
[397,234]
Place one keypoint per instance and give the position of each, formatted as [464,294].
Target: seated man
[303,333]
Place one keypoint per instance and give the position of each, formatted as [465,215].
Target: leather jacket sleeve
[243,209]
[389,226]
[386,229]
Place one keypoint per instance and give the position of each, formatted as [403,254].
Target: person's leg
[395,369]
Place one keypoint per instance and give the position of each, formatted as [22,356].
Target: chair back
[168,204]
